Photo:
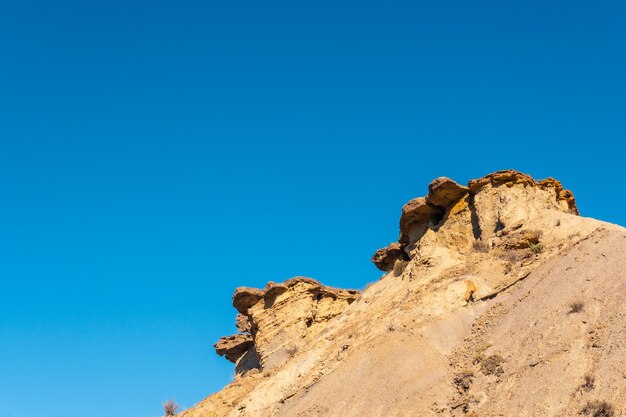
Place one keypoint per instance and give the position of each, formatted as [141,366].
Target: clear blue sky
[155,155]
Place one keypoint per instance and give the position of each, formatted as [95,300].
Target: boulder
[417,212]
[385,258]
[233,347]
[445,192]
[246,297]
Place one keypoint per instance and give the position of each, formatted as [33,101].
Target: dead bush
[511,256]
[170,408]
[598,409]
[291,351]
[480,246]
[492,365]
[589,383]
[463,380]
[576,307]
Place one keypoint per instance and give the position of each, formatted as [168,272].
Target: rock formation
[499,299]
[275,322]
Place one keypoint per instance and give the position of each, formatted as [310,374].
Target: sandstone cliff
[498,299]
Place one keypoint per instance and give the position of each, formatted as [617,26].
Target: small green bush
[535,247]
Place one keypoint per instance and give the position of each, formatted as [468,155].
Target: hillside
[498,299]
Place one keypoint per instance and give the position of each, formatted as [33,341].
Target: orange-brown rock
[385,258]
[561,194]
[507,177]
[445,192]
[521,239]
[417,212]
[246,297]
[233,347]
[242,322]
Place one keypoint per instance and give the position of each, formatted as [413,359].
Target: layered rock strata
[274,323]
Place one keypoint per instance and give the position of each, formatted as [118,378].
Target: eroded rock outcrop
[483,273]
[444,192]
[385,258]
[277,321]
[487,205]
[233,347]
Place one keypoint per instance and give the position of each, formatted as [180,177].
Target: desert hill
[498,299]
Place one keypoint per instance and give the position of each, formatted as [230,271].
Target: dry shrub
[492,365]
[589,383]
[291,350]
[598,409]
[511,256]
[479,354]
[480,246]
[463,379]
[170,408]
[576,307]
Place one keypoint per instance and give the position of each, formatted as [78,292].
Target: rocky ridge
[448,330]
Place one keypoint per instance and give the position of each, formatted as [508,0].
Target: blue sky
[156,155]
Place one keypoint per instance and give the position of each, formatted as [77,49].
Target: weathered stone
[385,258]
[273,290]
[507,177]
[233,347]
[416,212]
[561,194]
[521,239]
[278,329]
[445,192]
[296,280]
[243,323]
[246,297]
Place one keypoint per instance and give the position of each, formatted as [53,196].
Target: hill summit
[498,299]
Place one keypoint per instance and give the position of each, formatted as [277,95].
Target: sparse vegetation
[511,256]
[589,383]
[535,247]
[463,379]
[170,408]
[492,365]
[480,352]
[576,307]
[480,246]
[598,409]
[291,351]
